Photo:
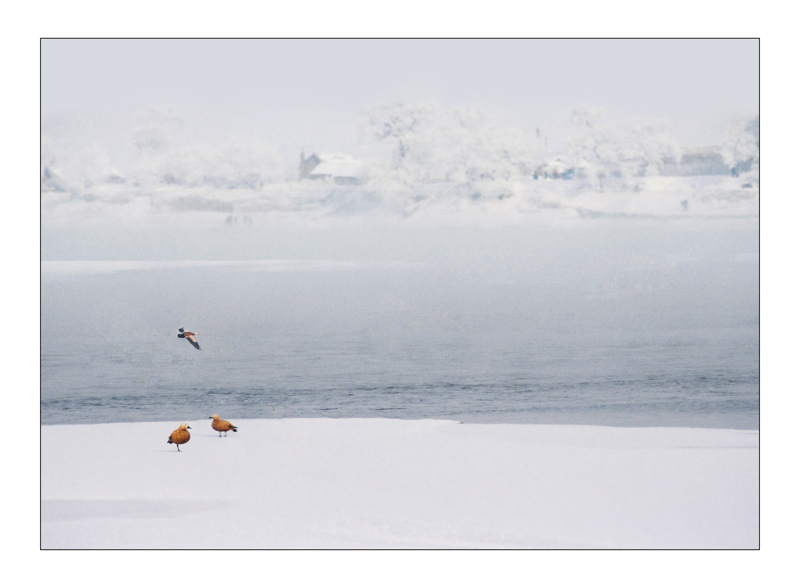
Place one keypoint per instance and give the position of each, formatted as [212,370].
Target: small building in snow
[342,170]
[558,169]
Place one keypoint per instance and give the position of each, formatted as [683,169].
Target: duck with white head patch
[219,425]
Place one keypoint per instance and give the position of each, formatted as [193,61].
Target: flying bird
[219,425]
[180,436]
[189,336]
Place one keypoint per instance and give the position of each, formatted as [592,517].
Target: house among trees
[342,170]
[556,168]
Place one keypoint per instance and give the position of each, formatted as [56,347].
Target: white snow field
[384,483]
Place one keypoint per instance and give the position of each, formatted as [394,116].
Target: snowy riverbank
[381,483]
[646,198]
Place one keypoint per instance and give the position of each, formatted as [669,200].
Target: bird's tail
[234,429]
[181,336]
[169,440]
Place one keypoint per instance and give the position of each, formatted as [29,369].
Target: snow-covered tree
[627,150]
[235,163]
[415,144]
[153,147]
[741,149]
[482,151]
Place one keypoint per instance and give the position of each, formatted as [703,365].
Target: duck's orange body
[180,436]
[222,426]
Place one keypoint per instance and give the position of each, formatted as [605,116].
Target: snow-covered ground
[656,197]
[381,483]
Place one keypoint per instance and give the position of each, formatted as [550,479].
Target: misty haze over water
[622,322]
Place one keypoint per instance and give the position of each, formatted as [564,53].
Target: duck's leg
[178,446]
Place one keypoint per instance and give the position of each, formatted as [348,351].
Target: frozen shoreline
[660,198]
[382,483]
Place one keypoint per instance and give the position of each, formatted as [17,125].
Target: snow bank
[705,197]
[380,483]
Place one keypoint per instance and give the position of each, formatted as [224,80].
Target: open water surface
[652,327]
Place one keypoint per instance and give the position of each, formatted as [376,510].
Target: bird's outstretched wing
[193,341]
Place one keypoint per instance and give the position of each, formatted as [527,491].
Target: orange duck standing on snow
[180,436]
[219,425]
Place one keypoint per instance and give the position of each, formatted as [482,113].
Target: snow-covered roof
[335,158]
[336,165]
[350,169]
[554,163]
[701,150]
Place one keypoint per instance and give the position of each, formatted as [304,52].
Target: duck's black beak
[188,427]
[211,417]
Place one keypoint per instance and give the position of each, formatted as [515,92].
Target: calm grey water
[653,325]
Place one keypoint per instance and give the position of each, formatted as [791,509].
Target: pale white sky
[665,77]
[687,81]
